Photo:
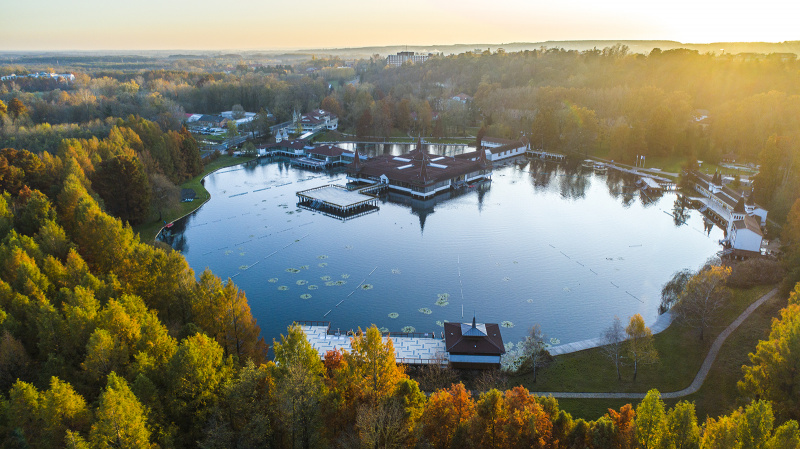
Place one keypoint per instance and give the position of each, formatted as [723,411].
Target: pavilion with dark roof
[476,345]
[418,173]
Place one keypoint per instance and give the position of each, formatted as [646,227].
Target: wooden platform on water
[337,201]
[410,349]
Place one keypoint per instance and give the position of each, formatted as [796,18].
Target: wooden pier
[541,154]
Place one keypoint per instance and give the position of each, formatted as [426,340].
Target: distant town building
[315,121]
[56,76]
[401,57]
[462,97]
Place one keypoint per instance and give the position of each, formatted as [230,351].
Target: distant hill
[636,46]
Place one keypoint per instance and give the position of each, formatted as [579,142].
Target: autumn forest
[111,340]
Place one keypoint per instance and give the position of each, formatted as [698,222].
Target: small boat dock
[410,349]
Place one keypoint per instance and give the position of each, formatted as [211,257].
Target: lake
[544,243]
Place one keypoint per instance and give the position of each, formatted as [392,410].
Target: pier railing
[314,323]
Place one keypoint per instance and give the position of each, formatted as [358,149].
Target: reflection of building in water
[423,207]
[418,173]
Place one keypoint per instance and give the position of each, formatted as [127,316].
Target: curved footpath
[698,379]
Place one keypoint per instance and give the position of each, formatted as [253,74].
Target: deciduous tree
[614,343]
[639,347]
[703,298]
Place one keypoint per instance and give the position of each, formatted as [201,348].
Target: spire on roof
[739,206]
[356,161]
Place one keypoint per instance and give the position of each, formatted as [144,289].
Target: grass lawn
[148,231]
[681,354]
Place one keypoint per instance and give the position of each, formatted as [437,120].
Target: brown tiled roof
[416,168]
[506,147]
[748,223]
[489,344]
[328,150]
[497,140]
[297,144]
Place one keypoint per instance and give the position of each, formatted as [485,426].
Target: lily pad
[554,341]
[439,323]
[228,252]
[366,287]
[273,280]
[395,271]
[325,278]
[530,301]
[292,270]
[322,257]
[312,287]
[304,267]
[301,282]
[383,330]
[394,315]
[508,324]
[408,329]
[345,276]
[305,296]
[426,311]
[283,288]
[243,267]
[506,279]
[322,264]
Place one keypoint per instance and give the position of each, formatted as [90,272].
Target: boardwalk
[698,379]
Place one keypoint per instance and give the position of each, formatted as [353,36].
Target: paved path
[698,379]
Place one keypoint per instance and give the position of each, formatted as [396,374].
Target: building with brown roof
[418,173]
[476,345]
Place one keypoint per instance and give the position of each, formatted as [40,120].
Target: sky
[269,24]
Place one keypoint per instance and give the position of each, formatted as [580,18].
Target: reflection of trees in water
[175,235]
[541,173]
[622,186]
[573,185]
[680,211]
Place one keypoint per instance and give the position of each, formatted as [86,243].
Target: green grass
[719,394]
[681,354]
[148,231]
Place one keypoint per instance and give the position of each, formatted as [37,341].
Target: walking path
[698,379]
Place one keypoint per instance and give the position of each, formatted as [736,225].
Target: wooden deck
[337,201]
[410,349]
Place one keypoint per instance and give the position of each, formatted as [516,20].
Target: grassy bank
[148,231]
[681,353]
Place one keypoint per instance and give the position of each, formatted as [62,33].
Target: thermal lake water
[542,243]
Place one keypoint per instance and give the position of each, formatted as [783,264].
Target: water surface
[542,243]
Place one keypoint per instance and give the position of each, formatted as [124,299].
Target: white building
[497,149]
[745,237]
[403,56]
[315,121]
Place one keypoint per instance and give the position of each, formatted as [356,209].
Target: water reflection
[516,248]
[397,149]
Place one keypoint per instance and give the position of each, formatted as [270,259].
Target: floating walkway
[541,154]
[338,202]
[410,349]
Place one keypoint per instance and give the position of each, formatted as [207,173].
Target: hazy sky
[262,24]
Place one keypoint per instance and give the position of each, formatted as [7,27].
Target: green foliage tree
[773,372]
[122,420]
[124,187]
[650,421]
